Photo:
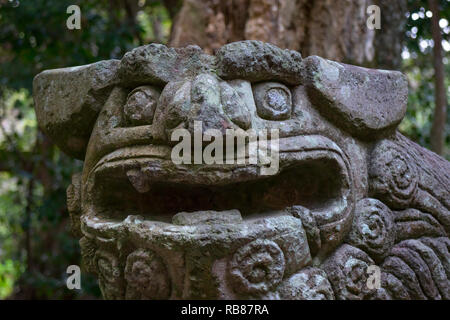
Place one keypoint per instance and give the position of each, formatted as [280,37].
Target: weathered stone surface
[74,204]
[308,284]
[414,224]
[257,267]
[405,175]
[366,102]
[273,100]
[209,217]
[372,229]
[353,210]
[421,271]
[258,61]
[310,225]
[157,64]
[347,269]
[146,276]
[68,101]
[141,105]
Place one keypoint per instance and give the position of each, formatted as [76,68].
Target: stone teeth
[139,180]
[133,219]
[207,217]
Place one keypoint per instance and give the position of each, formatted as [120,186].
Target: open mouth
[153,187]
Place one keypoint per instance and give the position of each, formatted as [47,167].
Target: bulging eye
[141,105]
[273,100]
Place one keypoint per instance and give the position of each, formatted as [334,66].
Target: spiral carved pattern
[373,228]
[257,267]
[146,276]
[393,175]
[347,272]
[110,279]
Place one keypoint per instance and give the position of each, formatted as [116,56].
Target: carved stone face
[350,192]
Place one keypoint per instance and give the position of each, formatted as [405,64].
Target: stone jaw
[375,198]
[199,258]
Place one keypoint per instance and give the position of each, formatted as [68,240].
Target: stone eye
[273,100]
[141,105]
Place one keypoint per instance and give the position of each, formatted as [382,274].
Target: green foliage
[52,247]
[34,36]
[418,66]
[34,174]
[9,272]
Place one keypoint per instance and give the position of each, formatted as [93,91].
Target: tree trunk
[440,110]
[332,29]
[389,39]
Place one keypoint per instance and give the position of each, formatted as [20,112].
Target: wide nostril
[207,105]
[234,106]
[205,90]
[218,105]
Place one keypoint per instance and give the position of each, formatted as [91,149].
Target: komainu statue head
[170,205]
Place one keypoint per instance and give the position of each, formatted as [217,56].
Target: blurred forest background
[35,243]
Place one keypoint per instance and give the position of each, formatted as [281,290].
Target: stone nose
[205,99]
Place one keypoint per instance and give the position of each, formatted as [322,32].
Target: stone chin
[350,191]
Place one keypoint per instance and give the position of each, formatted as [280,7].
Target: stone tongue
[207,217]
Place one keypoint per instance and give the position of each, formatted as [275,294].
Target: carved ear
[67,102]
[368,103]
